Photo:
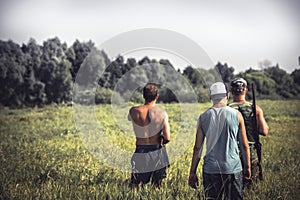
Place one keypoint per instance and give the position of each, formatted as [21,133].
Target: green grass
[43,156]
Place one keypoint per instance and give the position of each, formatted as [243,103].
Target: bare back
[148,123]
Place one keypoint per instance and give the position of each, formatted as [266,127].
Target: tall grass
[42,156]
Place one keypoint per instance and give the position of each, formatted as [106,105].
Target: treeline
[33,74]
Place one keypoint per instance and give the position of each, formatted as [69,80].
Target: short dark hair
[150,92]
[238,85]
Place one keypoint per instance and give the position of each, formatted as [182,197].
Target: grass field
[43,156]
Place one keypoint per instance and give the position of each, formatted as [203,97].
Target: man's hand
[193,180]
[162,140]
[247,173]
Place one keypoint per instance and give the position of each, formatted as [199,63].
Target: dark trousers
[231,185]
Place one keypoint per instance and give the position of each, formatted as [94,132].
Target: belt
[149,146]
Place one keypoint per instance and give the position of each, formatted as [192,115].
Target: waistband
[148,146]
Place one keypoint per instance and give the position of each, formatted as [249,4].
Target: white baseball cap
[218,91]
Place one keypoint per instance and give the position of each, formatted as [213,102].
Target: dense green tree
[284,82]
[144,60]
[227,73]
[265,86]
[130,64]
[92,69]
[166,95]
[11,74]
[34,88]
[36,74]
[201,79]
[55,71]
[164,74]
[296,76]
[81,50]
[113,73]
[193,75]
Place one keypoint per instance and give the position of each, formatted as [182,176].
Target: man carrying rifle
[255,125]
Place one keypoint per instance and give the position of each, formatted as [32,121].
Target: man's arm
[166,130]
[244,144]
[193,179]
[129,116]
[263,127]
[131,113]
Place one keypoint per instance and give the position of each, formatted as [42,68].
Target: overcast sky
[240,33]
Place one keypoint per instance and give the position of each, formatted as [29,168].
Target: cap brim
[218,96]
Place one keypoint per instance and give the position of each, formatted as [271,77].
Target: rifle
[256,133]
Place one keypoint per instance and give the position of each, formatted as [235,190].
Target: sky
[240,33]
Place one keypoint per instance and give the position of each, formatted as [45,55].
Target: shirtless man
[152,131]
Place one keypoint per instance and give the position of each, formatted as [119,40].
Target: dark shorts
[149,161]
[229,185]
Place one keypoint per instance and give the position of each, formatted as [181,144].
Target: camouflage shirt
[247,112]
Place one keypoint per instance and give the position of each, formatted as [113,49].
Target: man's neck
[150,103]
[219,105]
[239,99]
